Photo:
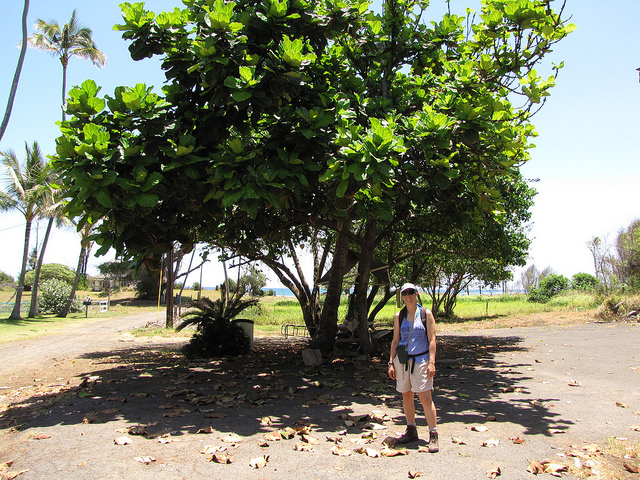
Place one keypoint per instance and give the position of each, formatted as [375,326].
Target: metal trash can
[247,326]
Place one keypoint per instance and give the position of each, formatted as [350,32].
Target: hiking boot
[433,442]
[411,435]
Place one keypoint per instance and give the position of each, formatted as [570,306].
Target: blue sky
[586,156]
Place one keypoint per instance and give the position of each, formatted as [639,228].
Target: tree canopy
[278,116]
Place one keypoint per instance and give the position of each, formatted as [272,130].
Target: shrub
[584,281]
[550,286]
[216,335]
[6,279]
[49,271]
[53,297]
[615,307]
[146,288]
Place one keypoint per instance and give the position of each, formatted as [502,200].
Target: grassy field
[273,312]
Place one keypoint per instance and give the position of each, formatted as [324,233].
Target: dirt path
[541,393]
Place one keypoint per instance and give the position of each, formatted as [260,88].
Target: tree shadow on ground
[158,389]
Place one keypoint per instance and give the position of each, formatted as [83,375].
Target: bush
[146,288]
[216,335]
[53,297]
[550,286]
[6,279]
[584,281]
[615,307]
[49,271]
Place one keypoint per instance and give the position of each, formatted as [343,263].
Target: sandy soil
[97,402]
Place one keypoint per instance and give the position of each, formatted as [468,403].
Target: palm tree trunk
[33,308]
[64,62]
[16,76]
[15,315]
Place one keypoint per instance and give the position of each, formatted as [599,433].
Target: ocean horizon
[285,292]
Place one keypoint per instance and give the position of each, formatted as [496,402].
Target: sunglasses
[411,291]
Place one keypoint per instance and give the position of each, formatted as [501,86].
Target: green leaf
[241,96]
[104,198]
[147,200]
[278,8]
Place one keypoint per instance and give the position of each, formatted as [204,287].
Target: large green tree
[27,191]
[279,115]
[64,42]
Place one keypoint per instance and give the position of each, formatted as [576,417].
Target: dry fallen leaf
[272,436]
[309,439]
[266,421]
[206,430]
[370,452]
[221,458]
[303,447]
[340,451]
[574,383]
[287,433]
[122,441]
[492,442]
[631,468]
[479,428]
[535,467]
[379,417]
[211,449]
[6,474]
[232,438]
[392,452]
[555,469]
[146,459]
[635,428]
[415,474]
[494,472]
[40,436]
[622,405]
[555,431]
[457,441]
[517,440]
[259,462]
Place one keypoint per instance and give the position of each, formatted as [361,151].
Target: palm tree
[52,209]
[70,40]
[16,75]
[26,191]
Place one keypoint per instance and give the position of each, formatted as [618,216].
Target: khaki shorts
[412,382]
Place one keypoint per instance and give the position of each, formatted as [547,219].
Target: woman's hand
[392,372]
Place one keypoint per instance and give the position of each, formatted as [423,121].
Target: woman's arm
[431,337]
[394,344]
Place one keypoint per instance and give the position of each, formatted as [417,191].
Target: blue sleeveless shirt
[419,341]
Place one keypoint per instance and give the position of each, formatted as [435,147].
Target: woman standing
[414,330]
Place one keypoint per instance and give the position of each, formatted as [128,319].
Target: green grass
[478,307]
[272,312]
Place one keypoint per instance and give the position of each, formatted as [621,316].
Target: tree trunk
[15,314]
[326,334]
[169,289]
[16,75]
[362,287]
[33,308]
[64,62]
[83,254]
